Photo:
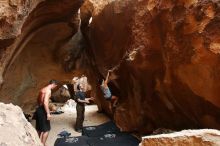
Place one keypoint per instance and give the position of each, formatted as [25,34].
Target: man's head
[54,83]
[74,80]
[79,87]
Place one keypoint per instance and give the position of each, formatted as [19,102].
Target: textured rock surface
[23,19]
[12,16]
[204,137]
[31,60]
[34,67]
[15,130]
[169,76]
[172,80]
[14,11]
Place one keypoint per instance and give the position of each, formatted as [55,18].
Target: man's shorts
[42,124]
[108,98]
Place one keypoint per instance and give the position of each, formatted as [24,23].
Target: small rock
[203,137]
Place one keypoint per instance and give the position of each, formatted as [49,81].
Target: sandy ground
[66,122]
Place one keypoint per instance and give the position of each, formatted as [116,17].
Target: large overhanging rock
[15,130]
[204,137]
[167,54]
[12,16]
[170,77]
[31,34]
[21,20]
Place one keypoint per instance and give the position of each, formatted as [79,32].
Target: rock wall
[12,17]
[35,66]
[22,19]
[169,62]
[38,30]
[15,130]
[204,137]
[166,55]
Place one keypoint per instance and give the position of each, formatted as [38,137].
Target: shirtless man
[43,113]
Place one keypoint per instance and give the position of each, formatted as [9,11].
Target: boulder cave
[165,55]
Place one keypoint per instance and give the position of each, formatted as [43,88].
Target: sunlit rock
[15,130]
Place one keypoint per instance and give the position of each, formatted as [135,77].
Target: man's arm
[87,100]
[91,98]
[46,105]
[83,101]
[107,78]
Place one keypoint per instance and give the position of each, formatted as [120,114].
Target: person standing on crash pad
[80,107]
[42,114]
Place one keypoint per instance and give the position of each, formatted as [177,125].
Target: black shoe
[79,130]
[100,111]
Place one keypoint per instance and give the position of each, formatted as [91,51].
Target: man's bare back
[42,95]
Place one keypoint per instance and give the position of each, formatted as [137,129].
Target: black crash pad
[107,134]
[100,130]
[122,139]
[72,141]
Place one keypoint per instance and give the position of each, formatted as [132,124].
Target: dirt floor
[66,122]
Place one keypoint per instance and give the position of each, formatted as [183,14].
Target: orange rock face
[166,54]
[31,46]
[170,75]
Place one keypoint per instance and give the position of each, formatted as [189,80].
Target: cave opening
[164,58]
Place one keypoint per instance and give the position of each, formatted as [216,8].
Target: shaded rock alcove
[41,28]
[166,53]
[35,66]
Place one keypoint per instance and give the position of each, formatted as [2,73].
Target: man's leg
[77,117]
[83,116]
[41,137]
[80,117]
[110,106]
[115,100]
[38,132]
[44,137]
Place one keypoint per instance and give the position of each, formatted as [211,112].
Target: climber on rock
[106,91]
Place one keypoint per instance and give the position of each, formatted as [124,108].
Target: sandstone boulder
[15,130]
[167,59]
[203,137]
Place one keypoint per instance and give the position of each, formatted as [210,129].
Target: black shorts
[108,98]
[42,124]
